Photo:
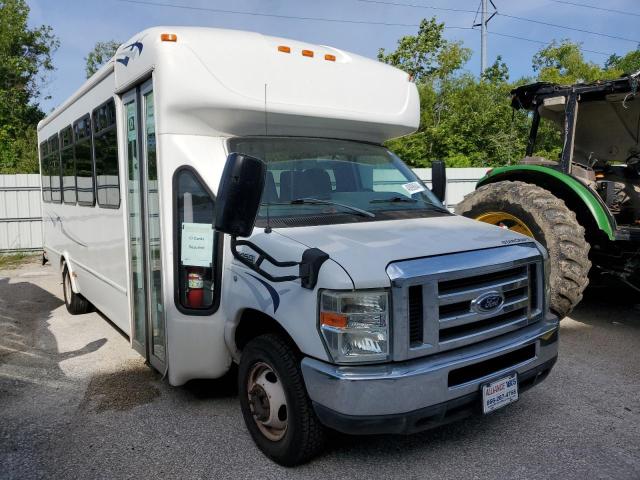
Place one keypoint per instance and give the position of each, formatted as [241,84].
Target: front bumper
[419,394]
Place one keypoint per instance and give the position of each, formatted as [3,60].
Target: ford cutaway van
[225,197]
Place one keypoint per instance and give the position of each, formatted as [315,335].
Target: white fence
[460,181]
[20,213]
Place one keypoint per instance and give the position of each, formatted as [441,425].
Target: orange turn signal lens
[284,49]
[332,319]
[331,58]
[169,37]
[307,53]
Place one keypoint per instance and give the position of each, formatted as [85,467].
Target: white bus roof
[217,82]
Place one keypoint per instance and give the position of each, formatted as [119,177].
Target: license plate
[499,393]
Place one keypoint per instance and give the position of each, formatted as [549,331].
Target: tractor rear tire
[551,223]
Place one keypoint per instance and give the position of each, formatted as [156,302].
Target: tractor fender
[589,208]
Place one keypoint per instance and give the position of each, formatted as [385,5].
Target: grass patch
[14,260]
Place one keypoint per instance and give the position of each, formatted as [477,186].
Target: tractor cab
[601,126]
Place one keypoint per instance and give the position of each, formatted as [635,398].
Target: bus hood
[365,249]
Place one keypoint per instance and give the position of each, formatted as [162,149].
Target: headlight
[355,325]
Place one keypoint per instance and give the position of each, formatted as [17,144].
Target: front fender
[586,203]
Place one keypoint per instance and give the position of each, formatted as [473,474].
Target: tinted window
[106,155]
[68,166]
[309,178]
[84,161]
[53,164]
[44,172]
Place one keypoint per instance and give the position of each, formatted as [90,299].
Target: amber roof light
[168,37]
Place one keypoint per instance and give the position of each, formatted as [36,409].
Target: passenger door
[148,331]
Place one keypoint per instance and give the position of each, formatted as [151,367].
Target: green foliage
[465,121]
[101,54]
[427,55]
[25,60]
[469,122]
[630,63]
[564,63]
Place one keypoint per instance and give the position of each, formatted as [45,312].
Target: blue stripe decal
[272,291]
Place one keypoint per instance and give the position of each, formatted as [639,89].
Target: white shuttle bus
[224,196]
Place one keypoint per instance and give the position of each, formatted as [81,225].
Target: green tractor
[585,207]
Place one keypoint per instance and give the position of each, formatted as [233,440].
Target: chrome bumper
[405,388]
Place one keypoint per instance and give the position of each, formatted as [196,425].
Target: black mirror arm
[262,256]
[312,260]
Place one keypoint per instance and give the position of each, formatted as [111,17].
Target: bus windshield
[312,178]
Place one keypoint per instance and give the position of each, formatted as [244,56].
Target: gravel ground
[77,402]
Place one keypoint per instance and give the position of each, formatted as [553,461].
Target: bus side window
[196,244]
[84,161]
[54,168]
[44,172]
[105,143]
[68,166]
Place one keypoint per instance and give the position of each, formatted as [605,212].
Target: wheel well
[574,203]
[254,323]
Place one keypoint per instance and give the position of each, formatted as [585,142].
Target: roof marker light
[284,49]
[331,58]
[168,37]
[307,53]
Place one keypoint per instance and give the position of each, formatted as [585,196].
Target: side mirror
[439,179]
[239,195]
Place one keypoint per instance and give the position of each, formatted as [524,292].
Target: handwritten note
[197,244]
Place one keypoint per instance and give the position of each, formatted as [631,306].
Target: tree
[496,73]
[564,63]
[25,61]
[101,53]
[629,63]
[427,55]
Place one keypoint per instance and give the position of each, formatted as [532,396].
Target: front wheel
[536,212]
[274,401]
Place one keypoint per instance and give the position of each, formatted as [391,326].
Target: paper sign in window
[197,244]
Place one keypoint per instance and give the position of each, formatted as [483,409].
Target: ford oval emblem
[487,302]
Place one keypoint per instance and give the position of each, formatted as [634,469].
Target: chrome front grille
[436,296]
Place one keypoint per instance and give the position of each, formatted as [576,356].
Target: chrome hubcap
[267,401]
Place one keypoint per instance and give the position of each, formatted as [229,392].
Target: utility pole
[484,20]
[483,38]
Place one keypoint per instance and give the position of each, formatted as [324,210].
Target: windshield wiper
[398,199]
[317,201]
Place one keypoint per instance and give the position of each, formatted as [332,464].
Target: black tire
[76,304]
[304,436]
[552,224]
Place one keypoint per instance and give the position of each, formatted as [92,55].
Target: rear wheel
[76,304]
[536,212]
[275,405]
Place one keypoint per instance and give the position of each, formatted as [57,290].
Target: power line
[323,19]
[523,19]
[274,15]
[413,5]
[593,7]
[548,24]
[542,43]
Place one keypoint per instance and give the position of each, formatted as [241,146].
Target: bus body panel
[90,238]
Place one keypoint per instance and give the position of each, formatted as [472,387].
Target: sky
[79,24]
